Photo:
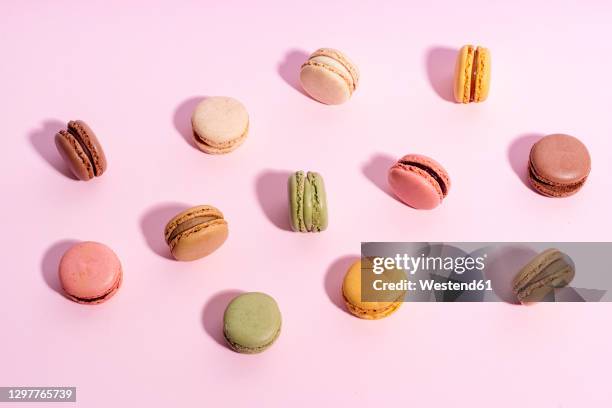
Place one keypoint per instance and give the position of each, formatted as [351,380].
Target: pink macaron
[419,181]
[90,273]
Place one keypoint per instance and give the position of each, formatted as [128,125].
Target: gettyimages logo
[482,272]
[412,264]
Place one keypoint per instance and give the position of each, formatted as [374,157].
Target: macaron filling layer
[227,145]
[186,225]
[439,180]
[551,186]
[474,76]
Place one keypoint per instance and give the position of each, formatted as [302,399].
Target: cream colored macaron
[329,76]
[472,74]
[220,124]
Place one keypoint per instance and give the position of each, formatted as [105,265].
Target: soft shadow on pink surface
[182,118]
[43,141]
[503,265]
[271,188]
[440,63]
[518,155]
[50,263]
[376,170]
[334,278]
[212,314]
[289,68]
[153,224]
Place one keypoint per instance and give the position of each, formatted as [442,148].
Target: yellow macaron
[472,74]
[387,301]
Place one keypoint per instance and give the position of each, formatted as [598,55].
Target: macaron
[558,165]
[329,76]
[549,270]
[382,304]
[251,323]
[307,202]
[419,181]
[220,124]
[81,150]
[90,273]
[196,232]
[472,74]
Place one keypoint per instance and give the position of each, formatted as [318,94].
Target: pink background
[135,70]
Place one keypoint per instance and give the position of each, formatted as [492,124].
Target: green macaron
[307,202]
[251,323]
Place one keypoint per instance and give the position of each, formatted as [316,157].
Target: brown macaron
[558,165]
[81,150]
[196,232]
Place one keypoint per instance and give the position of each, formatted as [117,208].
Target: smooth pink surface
[135,70]
[89,270]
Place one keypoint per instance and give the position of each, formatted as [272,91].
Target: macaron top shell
[329,76]
[220,121]
[89,271]
[419,181]
[252,322]
[560,159]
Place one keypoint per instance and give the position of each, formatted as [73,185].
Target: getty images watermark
[483,272]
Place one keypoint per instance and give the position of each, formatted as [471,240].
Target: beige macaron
[329,76]
[220,124]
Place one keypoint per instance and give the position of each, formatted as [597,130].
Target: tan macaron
[472,74]
[329,76]
[196,232]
